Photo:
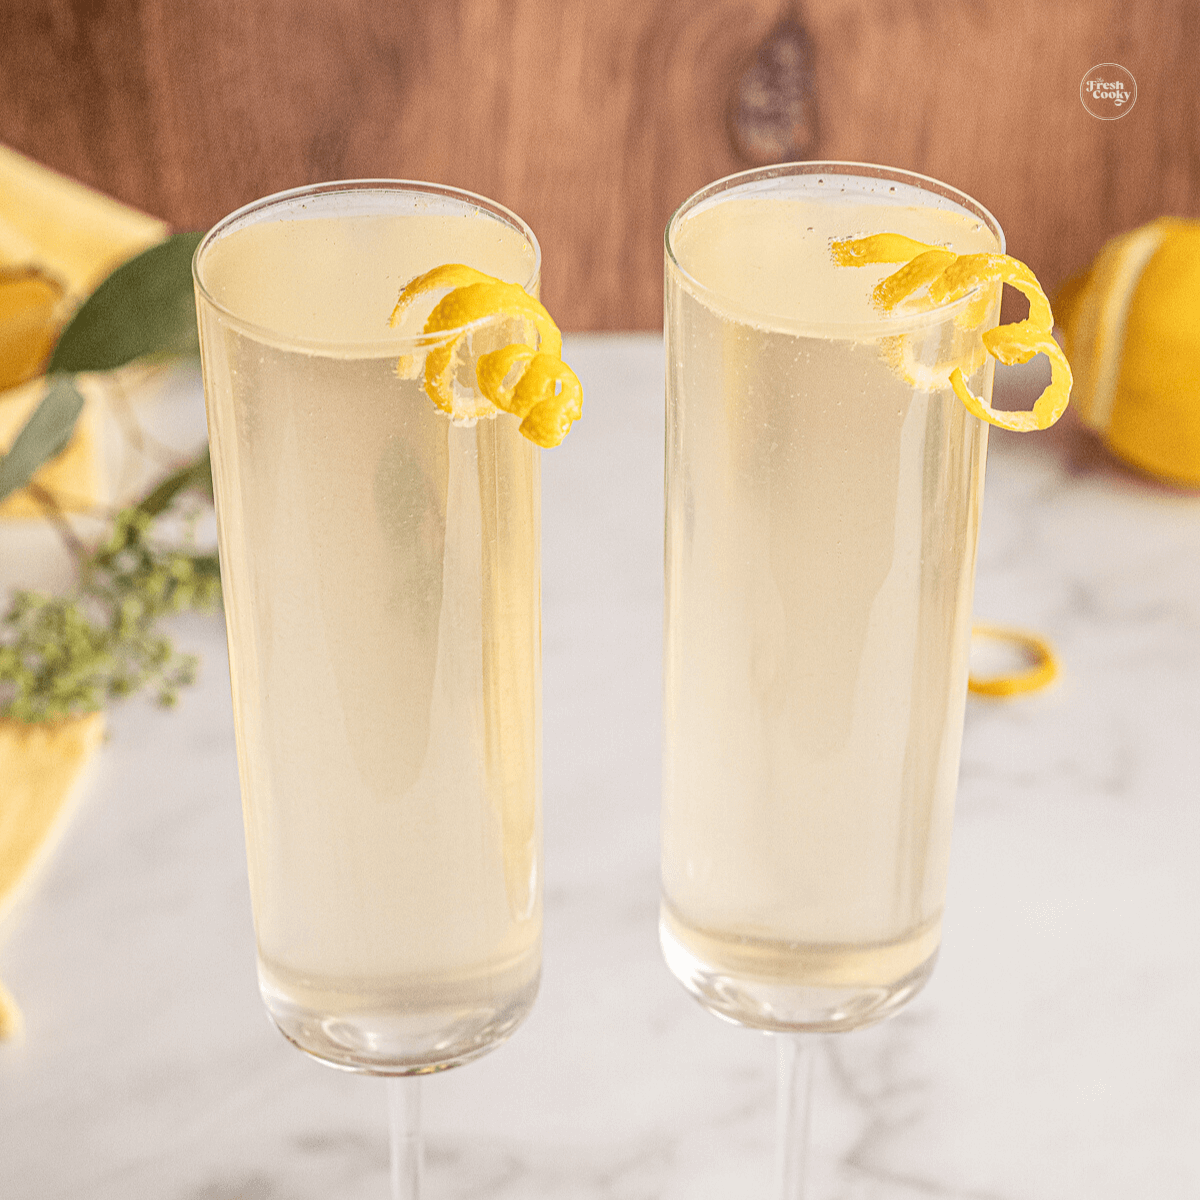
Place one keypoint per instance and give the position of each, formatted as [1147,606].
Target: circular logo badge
[1108,91]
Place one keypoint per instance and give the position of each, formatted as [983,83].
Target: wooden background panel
[594,120]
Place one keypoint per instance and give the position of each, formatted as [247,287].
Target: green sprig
[63,656]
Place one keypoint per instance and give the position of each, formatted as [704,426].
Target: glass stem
[404,1112]
[796,1054]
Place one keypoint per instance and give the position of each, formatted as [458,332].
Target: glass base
[798,1000]
[401,1039]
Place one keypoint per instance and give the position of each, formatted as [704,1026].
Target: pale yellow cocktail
[381,571]
[823,499]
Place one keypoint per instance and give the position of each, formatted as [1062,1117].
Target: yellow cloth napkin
[72,232]
[57,229]
[40,769]
[74,236]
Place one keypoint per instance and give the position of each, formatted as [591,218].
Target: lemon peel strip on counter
[1042,671]
[526,378]
[948,277]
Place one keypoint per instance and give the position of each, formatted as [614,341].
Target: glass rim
[242,217]
[854,170]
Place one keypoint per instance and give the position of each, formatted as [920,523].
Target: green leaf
[44,435]
[197,474]
[146,306]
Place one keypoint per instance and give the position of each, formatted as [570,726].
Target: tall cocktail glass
[381,574]
[823,489]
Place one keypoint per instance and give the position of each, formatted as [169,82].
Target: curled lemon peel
[947,277]
[1041,672]
[450,275]
[526,378]
[917,273]
[879,248]
[541,394]
[905,361]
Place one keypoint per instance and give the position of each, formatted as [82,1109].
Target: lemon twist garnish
[1041,672]
[527,377]
[880,248]
[947,277]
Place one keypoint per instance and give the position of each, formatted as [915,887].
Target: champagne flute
[381,575]
[823,487]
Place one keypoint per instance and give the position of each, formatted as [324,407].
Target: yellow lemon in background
[1131,329]
[30,315]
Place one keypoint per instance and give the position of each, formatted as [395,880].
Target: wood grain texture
[594,120]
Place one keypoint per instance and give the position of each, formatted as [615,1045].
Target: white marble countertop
[1054,1056]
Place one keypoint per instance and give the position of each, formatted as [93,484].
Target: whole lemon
[30,314]
[1131,329]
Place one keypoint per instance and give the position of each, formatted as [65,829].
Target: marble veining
[1055,1054]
